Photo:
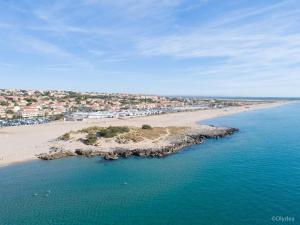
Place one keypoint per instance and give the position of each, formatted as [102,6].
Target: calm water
[244,179]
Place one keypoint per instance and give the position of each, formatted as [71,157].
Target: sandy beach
[24,142]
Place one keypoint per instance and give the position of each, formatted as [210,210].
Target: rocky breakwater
[138,142]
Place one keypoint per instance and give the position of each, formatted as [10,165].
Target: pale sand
[22,143]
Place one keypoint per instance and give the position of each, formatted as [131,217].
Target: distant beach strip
[25,142]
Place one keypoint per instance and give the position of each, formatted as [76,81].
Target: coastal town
[24,107]
[55,124]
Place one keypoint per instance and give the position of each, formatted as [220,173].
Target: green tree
[4,103]
[9,111]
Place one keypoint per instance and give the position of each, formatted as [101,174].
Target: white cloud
[244,46]
[261,47]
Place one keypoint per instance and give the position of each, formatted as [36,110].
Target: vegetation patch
[91,139]
[110,132]
[133,136]
[65,137]
[146,127]
[177,130]
[154,133]
[91,130]
[124,134]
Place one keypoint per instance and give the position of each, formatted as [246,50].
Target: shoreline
[169,143]
[23,143]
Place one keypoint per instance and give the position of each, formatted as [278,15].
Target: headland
[172,132]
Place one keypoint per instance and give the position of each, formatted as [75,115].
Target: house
[29,111]
[2,112]
[58,111]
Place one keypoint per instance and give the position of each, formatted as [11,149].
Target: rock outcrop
[56,154]
[175,143]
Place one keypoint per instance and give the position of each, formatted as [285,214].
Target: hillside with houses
[18,105]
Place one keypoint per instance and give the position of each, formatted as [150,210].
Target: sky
[166,47]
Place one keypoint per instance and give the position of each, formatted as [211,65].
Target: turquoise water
[245,179]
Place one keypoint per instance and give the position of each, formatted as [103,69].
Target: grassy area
[106,132]
[177,130]
[110,132]
[154,133]
[139,134]
[91,130]
[91,139]
[95,132]
[124,134]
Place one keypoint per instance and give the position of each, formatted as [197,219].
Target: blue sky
[184,47]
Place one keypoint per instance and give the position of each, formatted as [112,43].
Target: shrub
[91,139]
[65,137]
[146,127]
[112,131]
[9,111]
[93,129]
[4,103]
[30,100]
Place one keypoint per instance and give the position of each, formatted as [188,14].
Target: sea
[249,178]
